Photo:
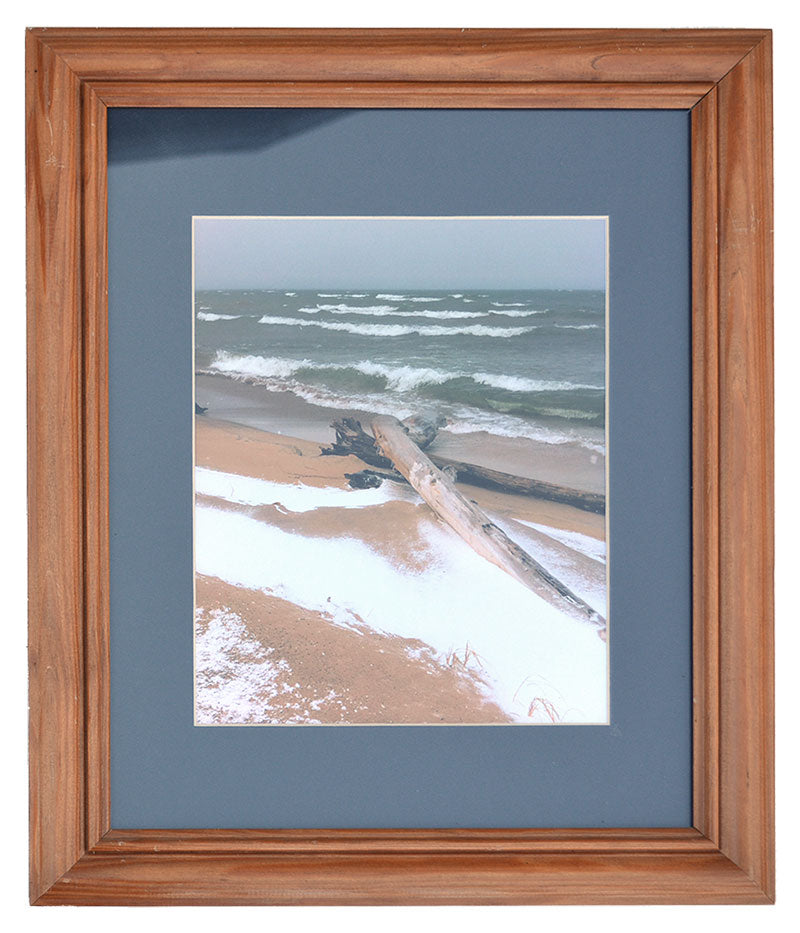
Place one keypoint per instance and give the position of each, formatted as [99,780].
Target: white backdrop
[775,14]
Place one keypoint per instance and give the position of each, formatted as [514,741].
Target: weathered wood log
[352,439]
[371,479]
[364,479]
[423,428]
[521,485]
[394,476]
[472,524]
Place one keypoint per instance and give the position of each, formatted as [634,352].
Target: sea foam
[400,330]
[388,311]
[400,378]
[210,316]
[408,298]
[349,309]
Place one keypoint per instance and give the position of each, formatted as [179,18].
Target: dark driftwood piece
[371,479]
[352,439]
[364,479]
[521,485]
[472,523]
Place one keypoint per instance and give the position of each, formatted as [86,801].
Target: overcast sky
[399,252]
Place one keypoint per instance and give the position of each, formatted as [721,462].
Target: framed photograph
[491,383]
[410,391]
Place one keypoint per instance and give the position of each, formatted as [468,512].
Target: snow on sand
[527,650]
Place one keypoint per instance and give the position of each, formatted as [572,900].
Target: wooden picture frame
[724,78]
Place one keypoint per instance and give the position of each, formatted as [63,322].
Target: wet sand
[568,464]
[248,451]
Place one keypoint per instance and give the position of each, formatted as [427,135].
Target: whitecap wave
[350,309]
[401,330]
[527,313]
[521,384]
[280,375]
[390,311]
[263,367]
[476,421]
[393,312]
[210,316]
[408,298]
[401,378]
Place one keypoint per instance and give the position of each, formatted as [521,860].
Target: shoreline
[233,447]
[330,560]
[283,412]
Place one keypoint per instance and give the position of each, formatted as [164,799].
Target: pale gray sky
[400,252]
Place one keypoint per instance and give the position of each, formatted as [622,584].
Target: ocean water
[527,364]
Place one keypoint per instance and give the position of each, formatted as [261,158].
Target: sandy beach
[440,593]
[317,603]
[285,413]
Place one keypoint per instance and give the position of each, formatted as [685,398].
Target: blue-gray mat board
[167,165]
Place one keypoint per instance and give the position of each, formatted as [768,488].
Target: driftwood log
[372,479]
[522,486]
[352,439]
[438,490]
[422,428]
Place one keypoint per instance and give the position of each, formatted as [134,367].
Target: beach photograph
[400,471]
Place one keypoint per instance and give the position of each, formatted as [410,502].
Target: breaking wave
[401,330]
[210,316]
[400,378]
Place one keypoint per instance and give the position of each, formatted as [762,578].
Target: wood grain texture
[705,465]
[392,878]
[55,472]
[422,94]
[601,56]
[746,466]
[95,453]
[72,76]
[680,841]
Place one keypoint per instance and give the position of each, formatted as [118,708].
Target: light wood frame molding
[724,78]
